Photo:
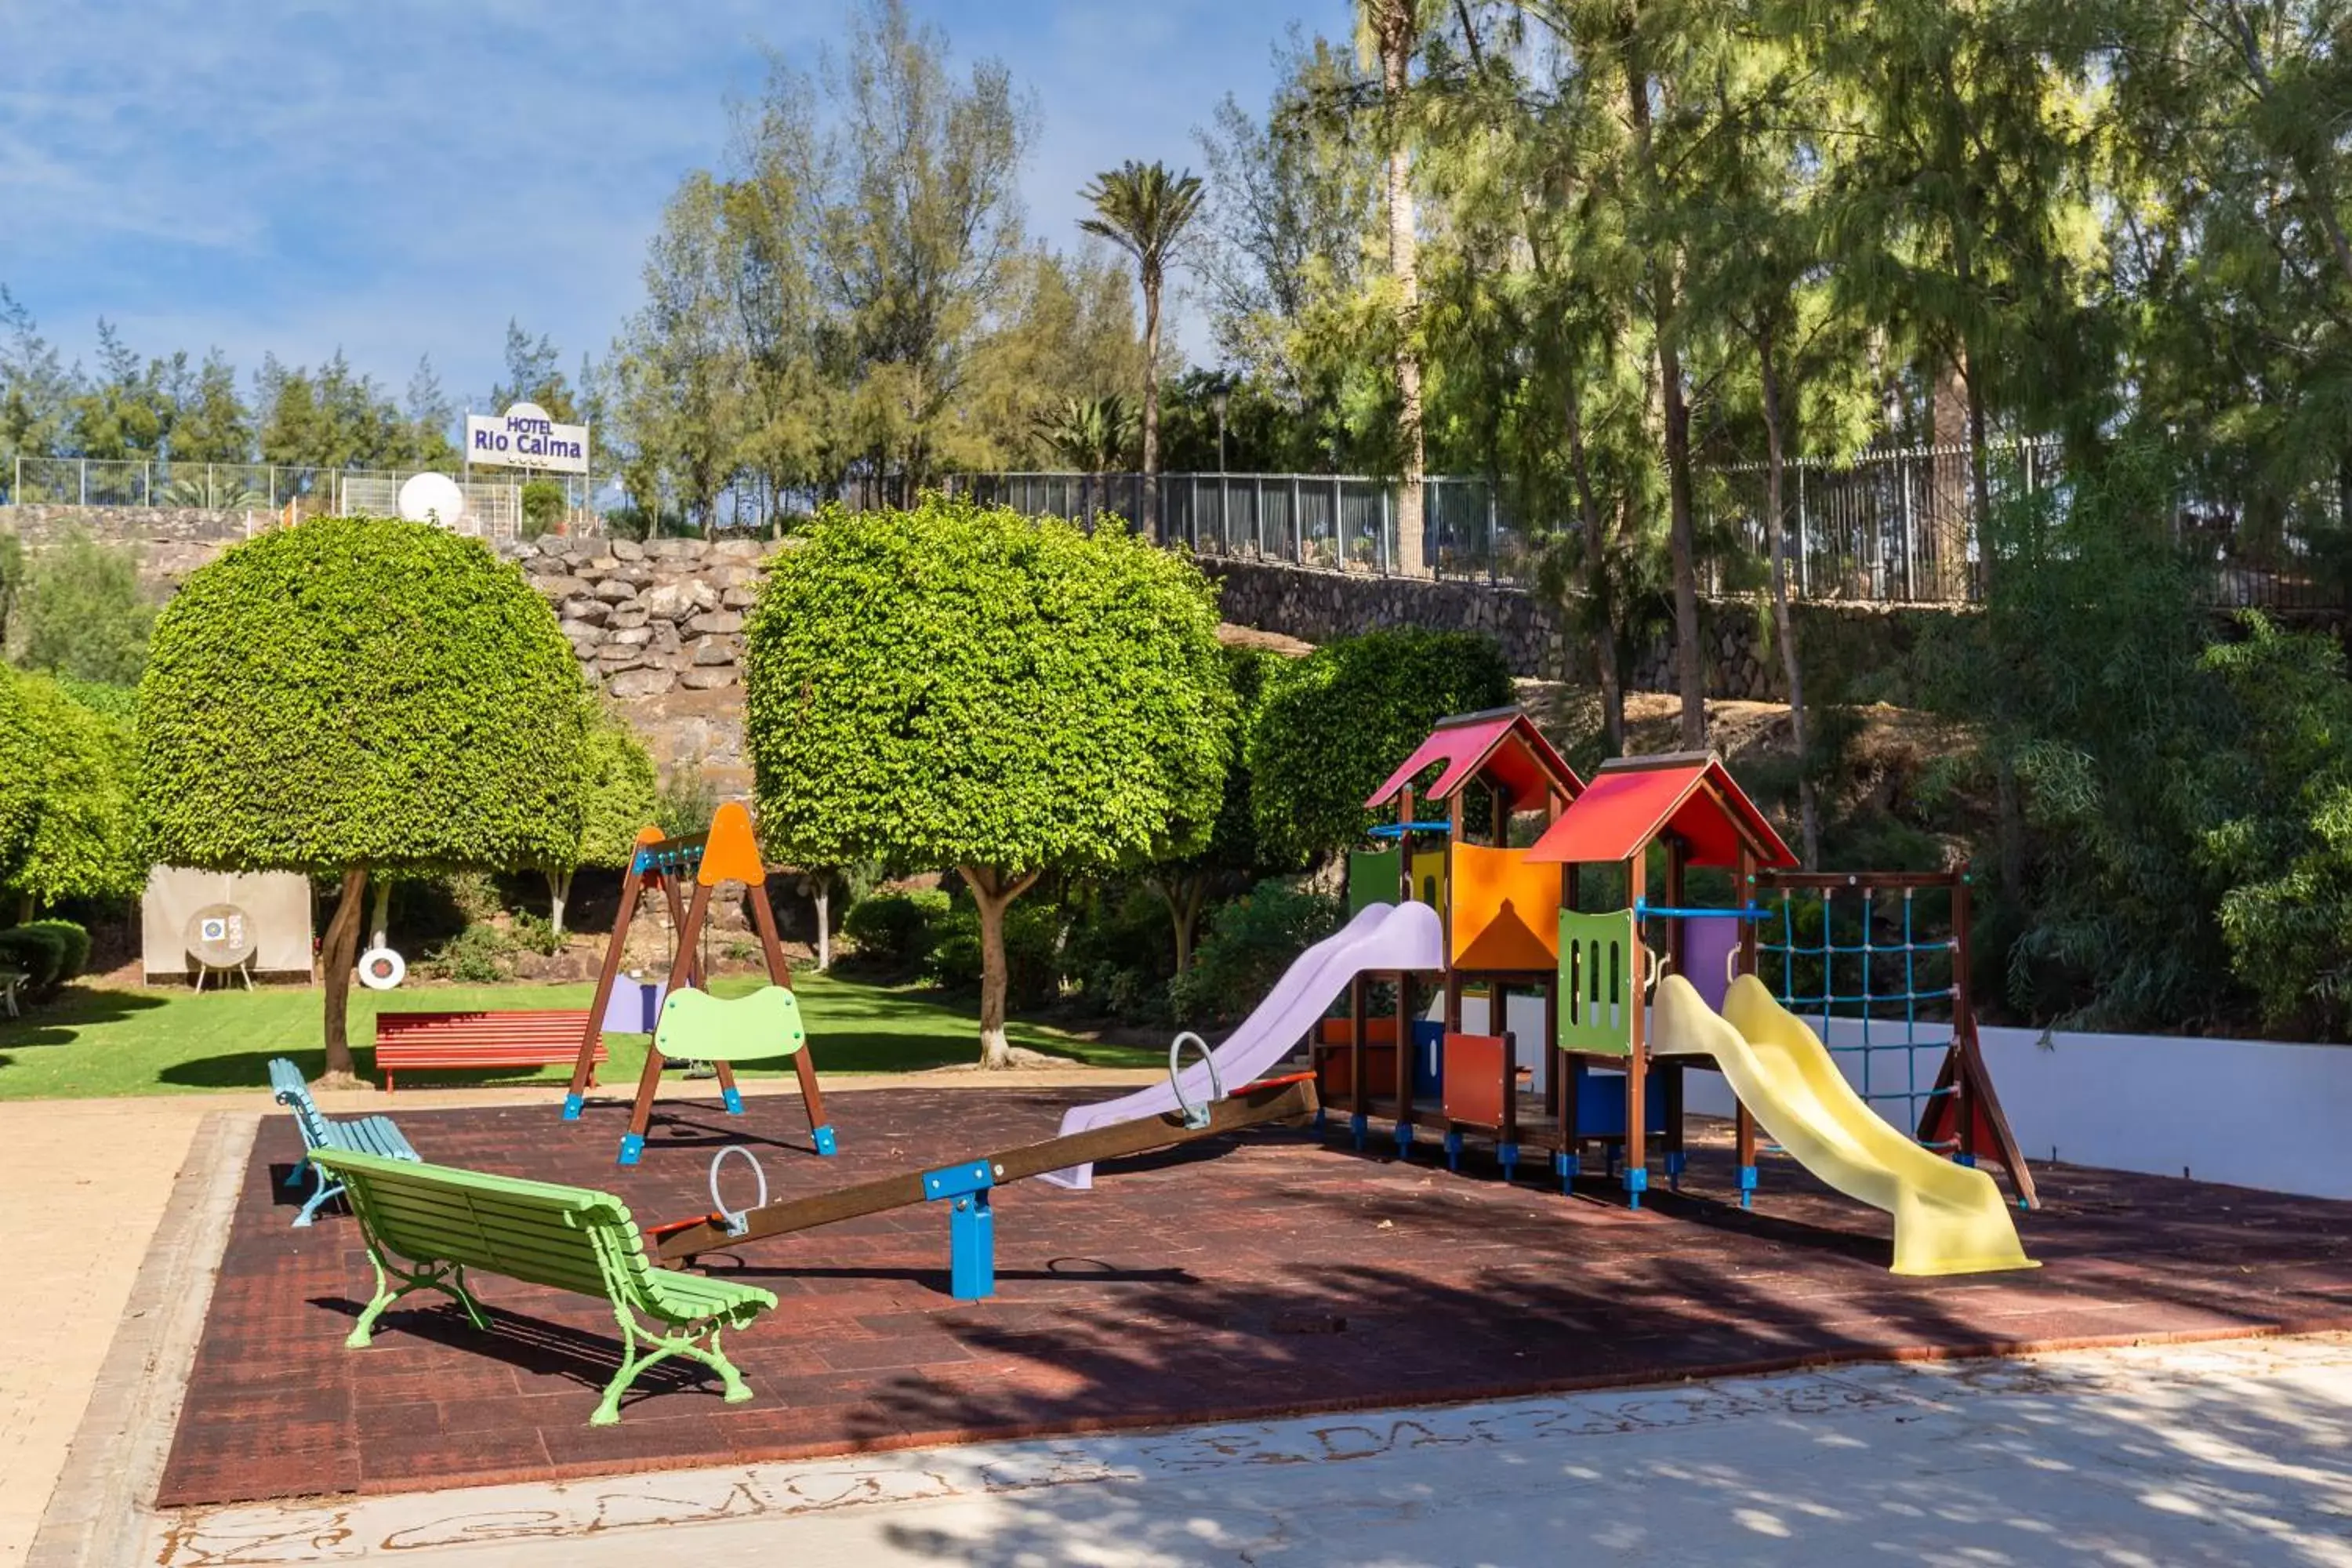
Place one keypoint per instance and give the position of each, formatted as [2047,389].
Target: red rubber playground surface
[1258,1276]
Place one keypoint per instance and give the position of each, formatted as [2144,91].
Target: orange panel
[1378,1030]
[732,854]
[1506,913]
[1473,1079]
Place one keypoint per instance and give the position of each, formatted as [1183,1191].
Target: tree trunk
[1809,814]
[991,893]
[821,890]
[379,913]
[1151,404]
[338,953]
[26,906]
[559,893]
[1600,608]
[1183,895]
[1396,26]
[1690,672]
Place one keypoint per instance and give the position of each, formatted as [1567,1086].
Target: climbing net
[1876,961]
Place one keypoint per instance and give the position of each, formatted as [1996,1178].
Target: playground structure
[690,1023]
[1603,1069]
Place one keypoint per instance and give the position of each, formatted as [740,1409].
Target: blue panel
[734,1098]
[570,1107]
[631,1147]
[1429,1060]
[1601,1104]
[826,1145]
[1452,1150]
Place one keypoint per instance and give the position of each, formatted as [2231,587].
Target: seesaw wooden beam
[1252,1106]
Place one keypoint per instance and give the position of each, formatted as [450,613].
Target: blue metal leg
[971,1247]
[1507,1154]
[302,1168]
[326,1190]
[1322,1120]
[1674,1160]
[1453,1149]
[1637,1181]
[571,1108]
[1965,1158]
[826,1145]
[1567,1167]
[1404,1140]
[1610,1170]
[632,1146]
[1360,1128]
[733,1098]
[1747,1186]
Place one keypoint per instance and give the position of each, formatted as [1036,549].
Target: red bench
[407,1041]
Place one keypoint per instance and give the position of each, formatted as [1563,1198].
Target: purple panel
[635,1006]
[1708,943]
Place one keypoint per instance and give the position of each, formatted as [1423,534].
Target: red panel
[1621,811]
[1472,1091]
[1506,746]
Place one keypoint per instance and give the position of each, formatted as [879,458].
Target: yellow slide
[1949,1219]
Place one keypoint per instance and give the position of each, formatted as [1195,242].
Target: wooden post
[688,923]
[1404,1058]
[1637,1059]
[1670,1083]
[803,1067]
[583,1071]
[1743,1121]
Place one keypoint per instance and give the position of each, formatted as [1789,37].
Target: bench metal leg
[326,1190]
[448,1278]
[660,1348]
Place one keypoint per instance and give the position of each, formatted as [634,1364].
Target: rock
[625,549]
[586,611]
[631,636]
[717,622]
[612,590]
[668,601]
[636,574]
[704,595]
[739,598]
[632,684]
[665,637]
[564,965]
[564,586]
[707,679]
[603,563]
[713,650]
[632,614]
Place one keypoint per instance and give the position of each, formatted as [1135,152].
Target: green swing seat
[695,1026]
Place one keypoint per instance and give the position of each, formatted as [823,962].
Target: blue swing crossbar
[1399,829]
[1674,912]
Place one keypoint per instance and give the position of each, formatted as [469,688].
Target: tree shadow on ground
[79,1008]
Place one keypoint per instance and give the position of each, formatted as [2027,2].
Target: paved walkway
[2237,1453]
[83,1185]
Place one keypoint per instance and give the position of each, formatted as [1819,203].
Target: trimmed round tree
[84,837]
[355,694]
[963,686]
[21,776]
[1334,725]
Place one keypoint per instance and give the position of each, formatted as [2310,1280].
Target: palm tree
[1389,30]
[1144,210]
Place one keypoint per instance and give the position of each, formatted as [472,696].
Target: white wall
[2250,1113]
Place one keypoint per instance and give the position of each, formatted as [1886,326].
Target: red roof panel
[1631,801]
[1504,743]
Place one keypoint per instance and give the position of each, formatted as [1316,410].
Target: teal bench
[358,1134]
[427,1225]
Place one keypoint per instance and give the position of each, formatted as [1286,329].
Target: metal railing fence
[248,494]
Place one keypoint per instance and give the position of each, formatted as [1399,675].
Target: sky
[400,178]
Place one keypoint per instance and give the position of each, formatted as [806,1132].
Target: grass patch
[93,1043]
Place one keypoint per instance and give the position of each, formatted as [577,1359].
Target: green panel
[697,1027]
[1373,877]
[1600,962]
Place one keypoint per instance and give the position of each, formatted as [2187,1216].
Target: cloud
[293,176]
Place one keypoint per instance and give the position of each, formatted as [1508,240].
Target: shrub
[50,952]
[1250,942]
[542,506]
[1120,956]
[1032,944]
[478,956]
[685,803]
[1330,727]
[84,616]
[894,930]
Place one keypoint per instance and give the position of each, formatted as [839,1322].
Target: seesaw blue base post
[971,1227]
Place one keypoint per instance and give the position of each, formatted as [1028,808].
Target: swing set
[690,1023]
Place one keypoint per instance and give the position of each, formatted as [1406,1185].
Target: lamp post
[1218,399]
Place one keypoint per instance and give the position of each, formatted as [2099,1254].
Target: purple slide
[1380,940]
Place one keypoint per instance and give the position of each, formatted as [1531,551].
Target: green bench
[427,1225]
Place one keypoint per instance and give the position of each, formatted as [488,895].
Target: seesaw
[964,1186]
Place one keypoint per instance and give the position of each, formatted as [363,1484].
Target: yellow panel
[1429,878]
[1505,912]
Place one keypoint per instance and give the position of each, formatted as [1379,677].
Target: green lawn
[92,1042]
